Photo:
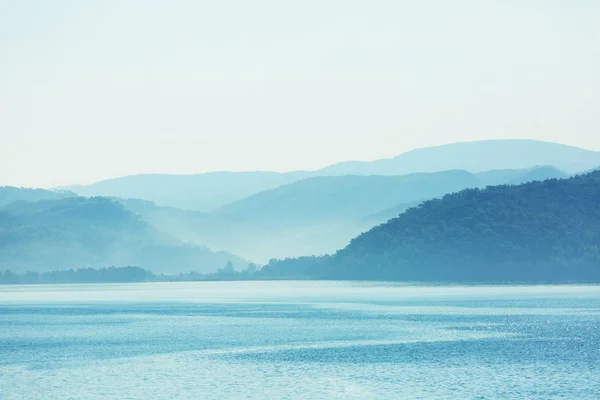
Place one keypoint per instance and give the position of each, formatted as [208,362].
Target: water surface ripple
[299,340]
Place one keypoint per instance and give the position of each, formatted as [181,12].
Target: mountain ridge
[538,231]
[212,190]
[315,215]
[84,232]
[532,153]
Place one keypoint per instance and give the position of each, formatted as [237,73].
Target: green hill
[539,231]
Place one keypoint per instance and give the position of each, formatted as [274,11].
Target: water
[299,340]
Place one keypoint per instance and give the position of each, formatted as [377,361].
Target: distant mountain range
[315,215]
[256,215]
[349,197]
[201,192]
[207,192]
[536,232]
[476,157]
[311,216]
[9,194]
[78,232]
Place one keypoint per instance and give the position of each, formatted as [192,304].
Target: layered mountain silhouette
[343,197]
[196,222]
[544,231]
[476,157]
[80,232]
[9,194]
[315,215]
[207,192]
[201,192]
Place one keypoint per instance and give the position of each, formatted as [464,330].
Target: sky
[91,90]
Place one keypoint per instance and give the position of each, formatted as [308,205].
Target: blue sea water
[299,340]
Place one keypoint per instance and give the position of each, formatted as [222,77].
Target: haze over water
[257,340]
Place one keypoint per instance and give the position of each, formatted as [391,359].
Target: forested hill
[10,194]
[540,231]
[80,232]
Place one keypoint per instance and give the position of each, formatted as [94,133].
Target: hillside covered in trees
[91,232]
[534,232]
[10,194]
[128,274]
[315,215]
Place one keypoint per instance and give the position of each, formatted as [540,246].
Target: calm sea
[299,340]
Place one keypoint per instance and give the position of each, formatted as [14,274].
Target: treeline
[226,273]
[81,275]
[128,274]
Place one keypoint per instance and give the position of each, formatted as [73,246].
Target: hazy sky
[98,89]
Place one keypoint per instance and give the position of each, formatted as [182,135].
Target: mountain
[538,174]
[79,232]
[389,213]
[311,216]
[209,191]
[250,239]
[352,197]
[488,178]
[475,157]
[314,215]
[10,194]
[540,231]
[201,192]
[218,232]
[349,197]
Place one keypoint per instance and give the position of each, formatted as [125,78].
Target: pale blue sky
[97,89]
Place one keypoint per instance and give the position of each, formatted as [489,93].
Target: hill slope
[312,216]
[10,194]
[79,232]
[540,231]
[343,197]
[475,157]
[201,192]
[218,232]
[207,192]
